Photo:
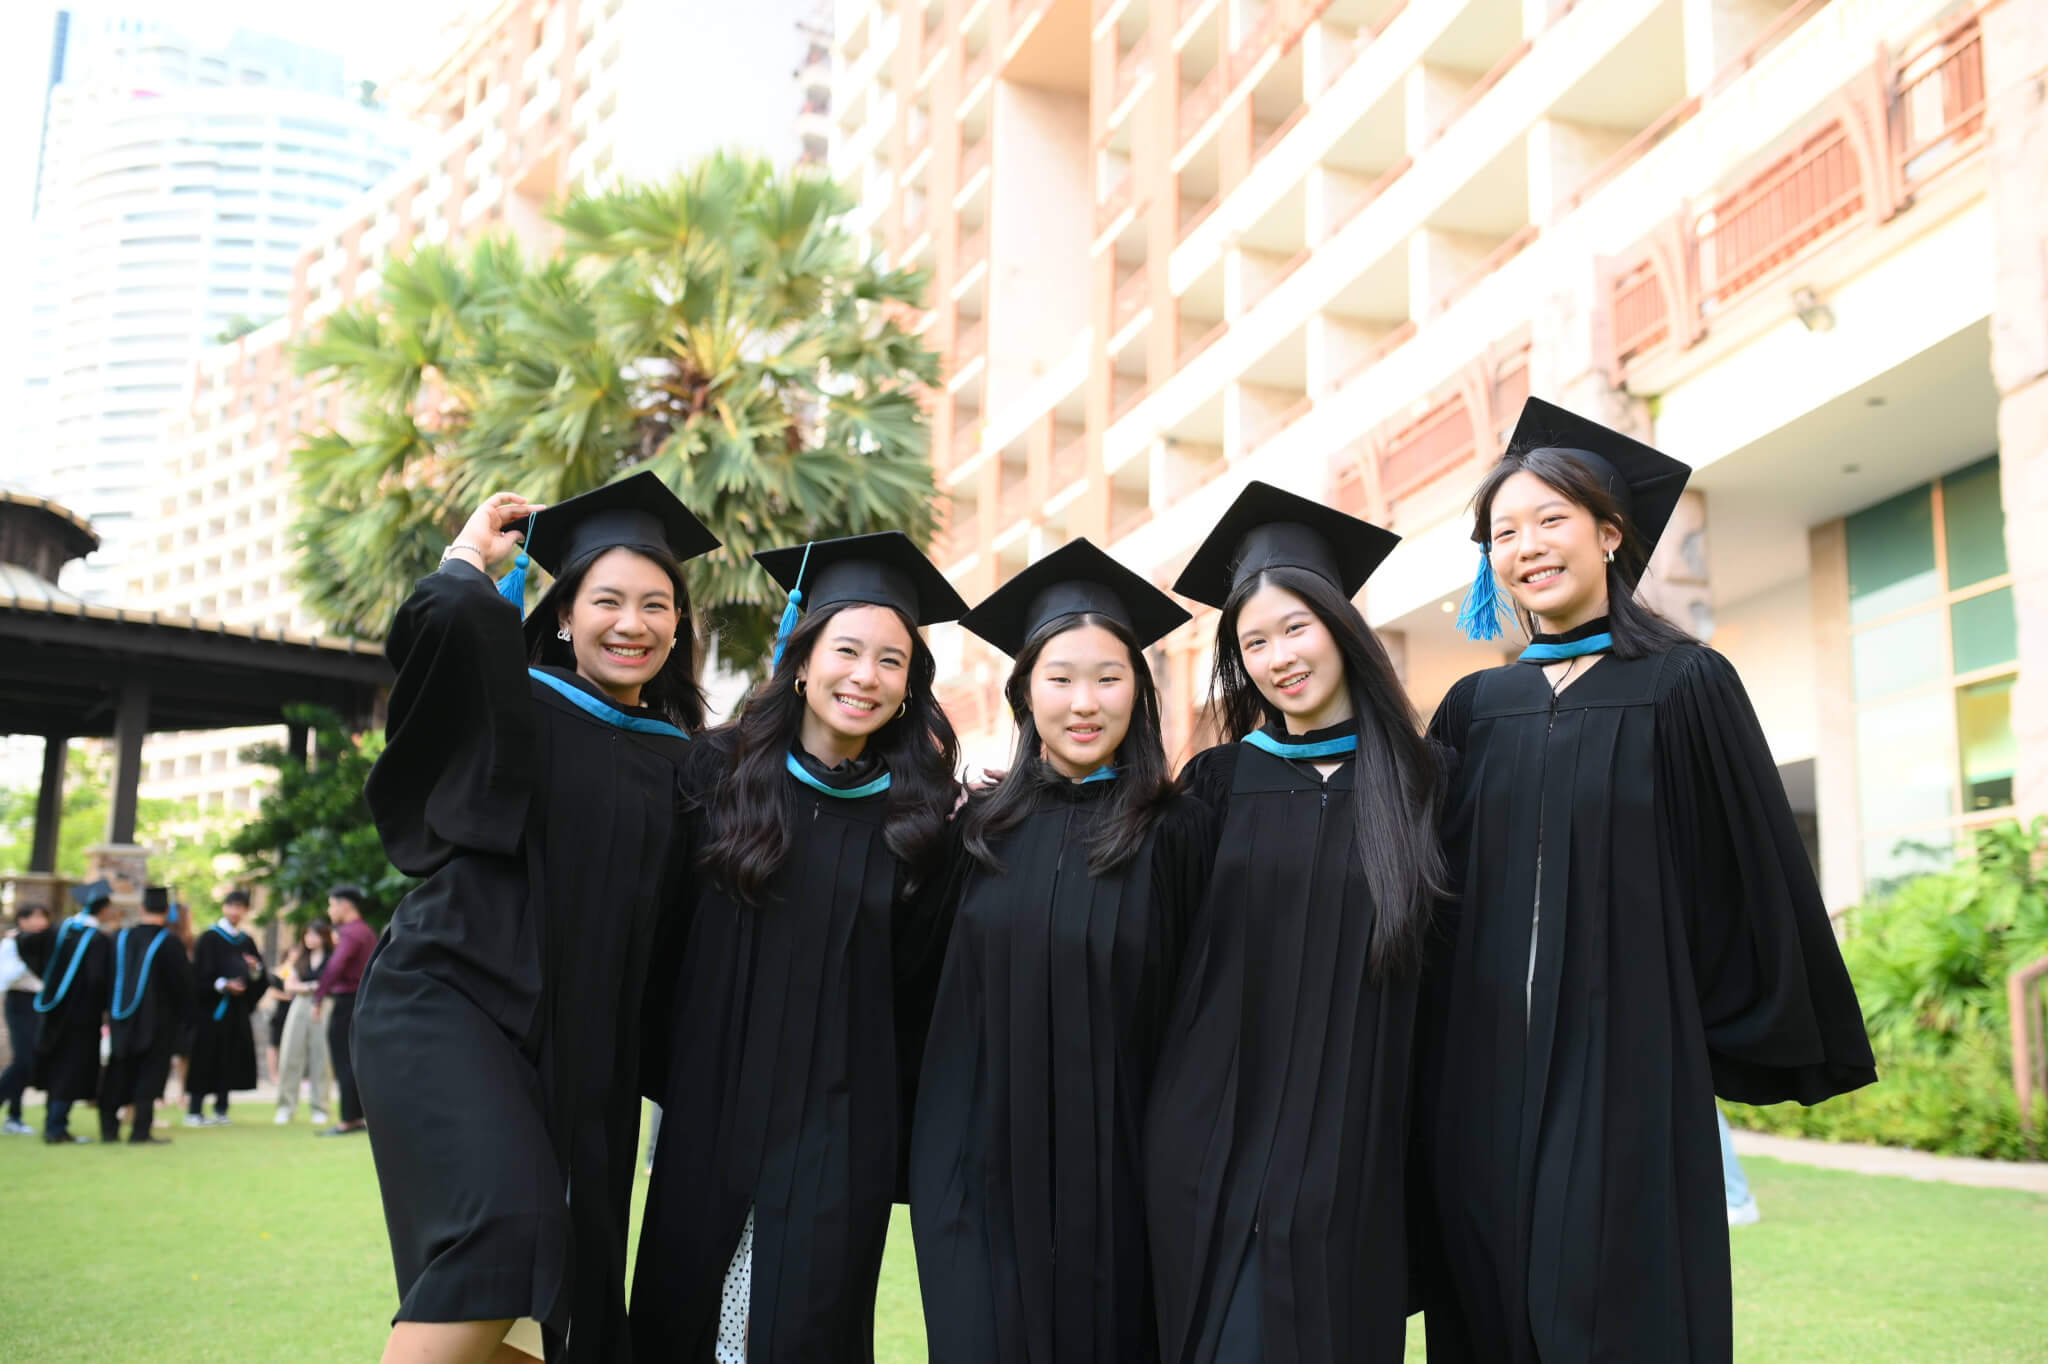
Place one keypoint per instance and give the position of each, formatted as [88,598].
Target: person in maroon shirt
[354,940]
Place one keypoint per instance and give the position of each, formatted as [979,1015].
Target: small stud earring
[563,634]
[1610,556]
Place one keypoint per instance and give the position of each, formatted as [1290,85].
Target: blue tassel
[1480,616]
[793,610]
[512,587]
[787,624]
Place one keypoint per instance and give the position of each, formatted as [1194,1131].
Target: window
[1933,652]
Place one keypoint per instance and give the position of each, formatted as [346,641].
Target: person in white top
[23,951]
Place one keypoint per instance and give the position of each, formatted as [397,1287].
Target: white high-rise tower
[179,182]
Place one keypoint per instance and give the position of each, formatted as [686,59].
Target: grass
[259,1241]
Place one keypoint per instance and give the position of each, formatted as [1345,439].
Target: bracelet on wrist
[455,549]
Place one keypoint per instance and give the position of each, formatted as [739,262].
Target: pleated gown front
[1280,1112]
[781,1084]
[1026,1181]
[1638,930]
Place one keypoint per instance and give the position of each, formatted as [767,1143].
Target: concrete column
[1327,196]
[42,855]
[1562,157]
[1836,807]
[1719,31]
[2015,61]
[1429,95]
[1438,260]
[1676,585]
[131,723]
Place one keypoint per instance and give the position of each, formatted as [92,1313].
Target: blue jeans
[24,1026]
[1732,1179]
[57,1121]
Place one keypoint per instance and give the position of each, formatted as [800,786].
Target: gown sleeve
[458,764]
[695,776]
[1207,777]
[923,926]
[1780,1014]
[1453,718]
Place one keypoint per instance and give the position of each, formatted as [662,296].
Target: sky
[375,42]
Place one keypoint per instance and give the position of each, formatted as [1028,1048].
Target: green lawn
[260,1241]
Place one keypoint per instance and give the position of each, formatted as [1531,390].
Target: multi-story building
[179,182]
[1332,244]
[521,103]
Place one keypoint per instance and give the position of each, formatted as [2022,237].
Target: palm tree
[723,329]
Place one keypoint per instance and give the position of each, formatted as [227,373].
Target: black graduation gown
[67,1062]
[1025,1187]
[1681,950]
[1277,1132]
[785,1064]
[223,1056]
[496,1034]
[153,988]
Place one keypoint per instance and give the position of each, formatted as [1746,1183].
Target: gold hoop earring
[799,685]
[903,709]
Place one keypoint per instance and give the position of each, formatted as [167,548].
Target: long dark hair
[673,693]
[1638,629]
[320,928]
[753,811]
[1142,782]
[1399,783]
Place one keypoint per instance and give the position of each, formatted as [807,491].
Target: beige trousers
[303,1057]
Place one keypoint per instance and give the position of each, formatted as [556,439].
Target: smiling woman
[793,993]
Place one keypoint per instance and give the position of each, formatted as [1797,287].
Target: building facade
[1332,244]
[519,103]
[178,183]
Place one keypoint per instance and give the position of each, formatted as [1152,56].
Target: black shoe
[65,1139]
[341,1130]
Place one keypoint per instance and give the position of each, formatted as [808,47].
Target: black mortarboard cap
[637,513]
[1646,483]
[1268,527]
[883,569]
[1077,577]
[156,900]
[93,894]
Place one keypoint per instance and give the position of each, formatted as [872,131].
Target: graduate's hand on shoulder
[495,529]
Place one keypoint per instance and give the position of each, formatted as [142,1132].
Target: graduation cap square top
[638,512]
[93,893]
[1644,482]
[1077,577]
[1268,527]
[156,900]
[882,569]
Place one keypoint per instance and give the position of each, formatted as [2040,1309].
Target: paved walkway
[2029,1176]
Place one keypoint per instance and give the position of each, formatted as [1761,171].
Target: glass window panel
[1984,736]
[1905,761]
[1895,859]
[1891,555]
[1973,518]
[1985,631]
[1889,659]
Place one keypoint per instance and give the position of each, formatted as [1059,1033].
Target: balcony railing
[975,158]
[973,251]
[974,66]
[970,345]
[1202,100]
[1279,422]
[1132,68]
[1111,206]
[966,440]
[963,534]
[1131,297]
[1069,462]
[1245,53]
[1202,340]
[1440,438]
[1920,123]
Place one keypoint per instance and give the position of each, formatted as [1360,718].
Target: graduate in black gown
[530,779]
[151,996]
[797,985]
[72,1004]
[1638,930]
[228,978]
[1278,1129]
[1071,888]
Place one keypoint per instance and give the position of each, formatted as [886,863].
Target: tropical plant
[1930,961]
[724,328]
[187,848]
[312,830]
